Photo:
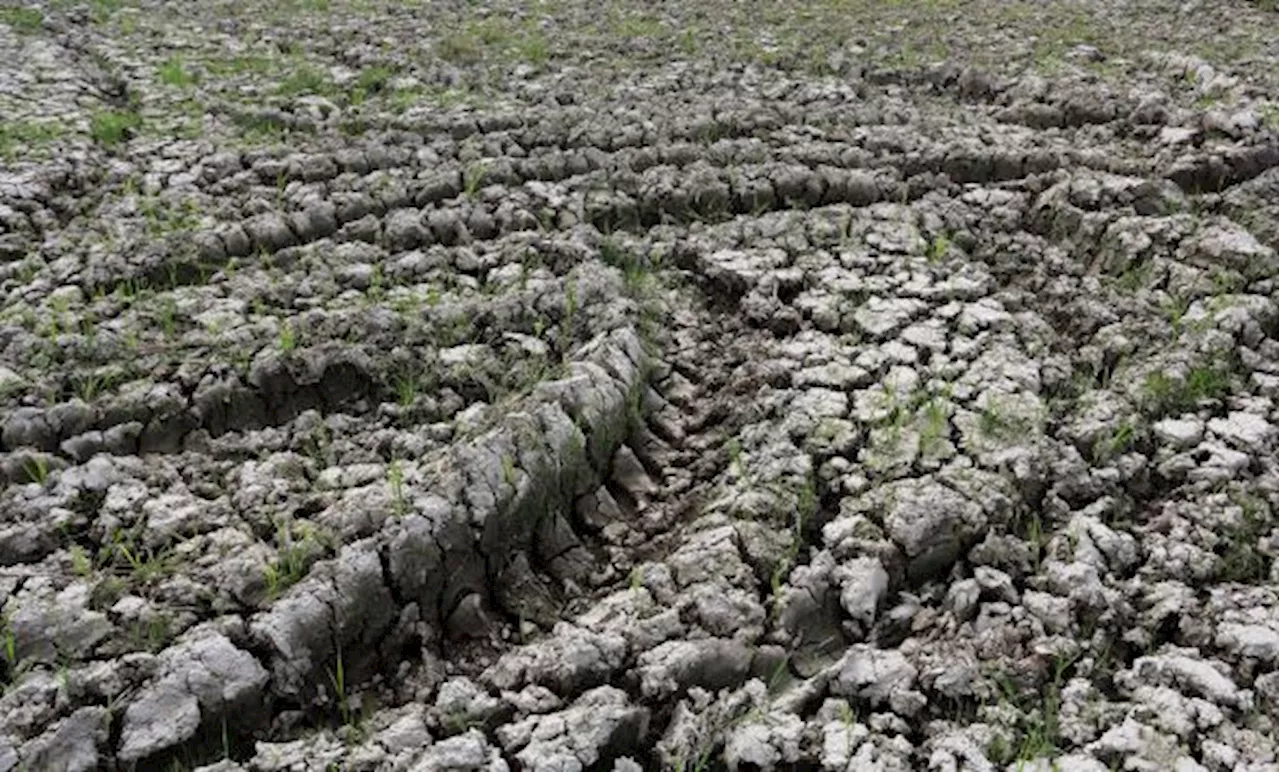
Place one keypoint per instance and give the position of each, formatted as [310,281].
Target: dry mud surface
[399,386]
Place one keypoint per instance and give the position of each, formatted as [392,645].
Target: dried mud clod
[607,388]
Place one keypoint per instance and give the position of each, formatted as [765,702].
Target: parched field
[699,386]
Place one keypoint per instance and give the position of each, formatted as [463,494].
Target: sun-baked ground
[635,386]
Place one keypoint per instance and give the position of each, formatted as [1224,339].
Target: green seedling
[937,249]
[174,73]
[508,470]
[406,390]
[290,565]
[81,563]
[22,19]
[305,80]
[1118,442]
[395,478]
[37,469]
[570,310]
[167,316]
[111,127]
[146,565]
[288,339]
[10,641]
[473,178]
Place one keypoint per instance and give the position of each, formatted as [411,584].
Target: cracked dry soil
[574,386]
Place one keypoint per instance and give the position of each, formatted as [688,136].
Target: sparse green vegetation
[495,38]
[152,634]
[145,563]
[1119,441]
[352,720]
[32,135]
[305,79]
[1270,110]
[406,388]
[166,216]
[81,563]
[37,469]
[22,19]
[173,72]
[637,270]
[395,480]
[778,232]
[9,643]
[937,249]
[465,47]
[936,424]
[166,316]
[733,449]
[1240,554]
[1165,395]
[997,421]
[473,178]
[288,337]
[535,49]
[1135,277]
[570,312]
[111,127]
[370,82]
[292,559]
[241,64]
[101,11]
[1038,725]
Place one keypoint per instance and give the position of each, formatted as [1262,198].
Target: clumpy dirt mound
[387,387]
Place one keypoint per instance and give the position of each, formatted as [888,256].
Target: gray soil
[697,386]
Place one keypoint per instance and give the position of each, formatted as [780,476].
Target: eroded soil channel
[888,417]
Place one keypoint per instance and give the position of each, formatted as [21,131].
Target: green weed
[733,450]
[406,388]
[261,128]
[9,641]
[305,80]
[1118,442]
[1135,277]
[151,635]
[145,564]
[37,469]
[635,268]
[164,216]
[570,311]
[509,470]
[29,134]
[102,10]
[173,72]
[996,423]
[1039,726]
[535,49]
[462,48]
[371,81]
[81,563]
[689,41]
[167,316]
[473,178]
[287,339]
[111,127]
[395,479]
[243,64]
[291,562]
[338,680]
[936,424]
[22,19]
[1240,560]
[1163,395]
[937,249]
